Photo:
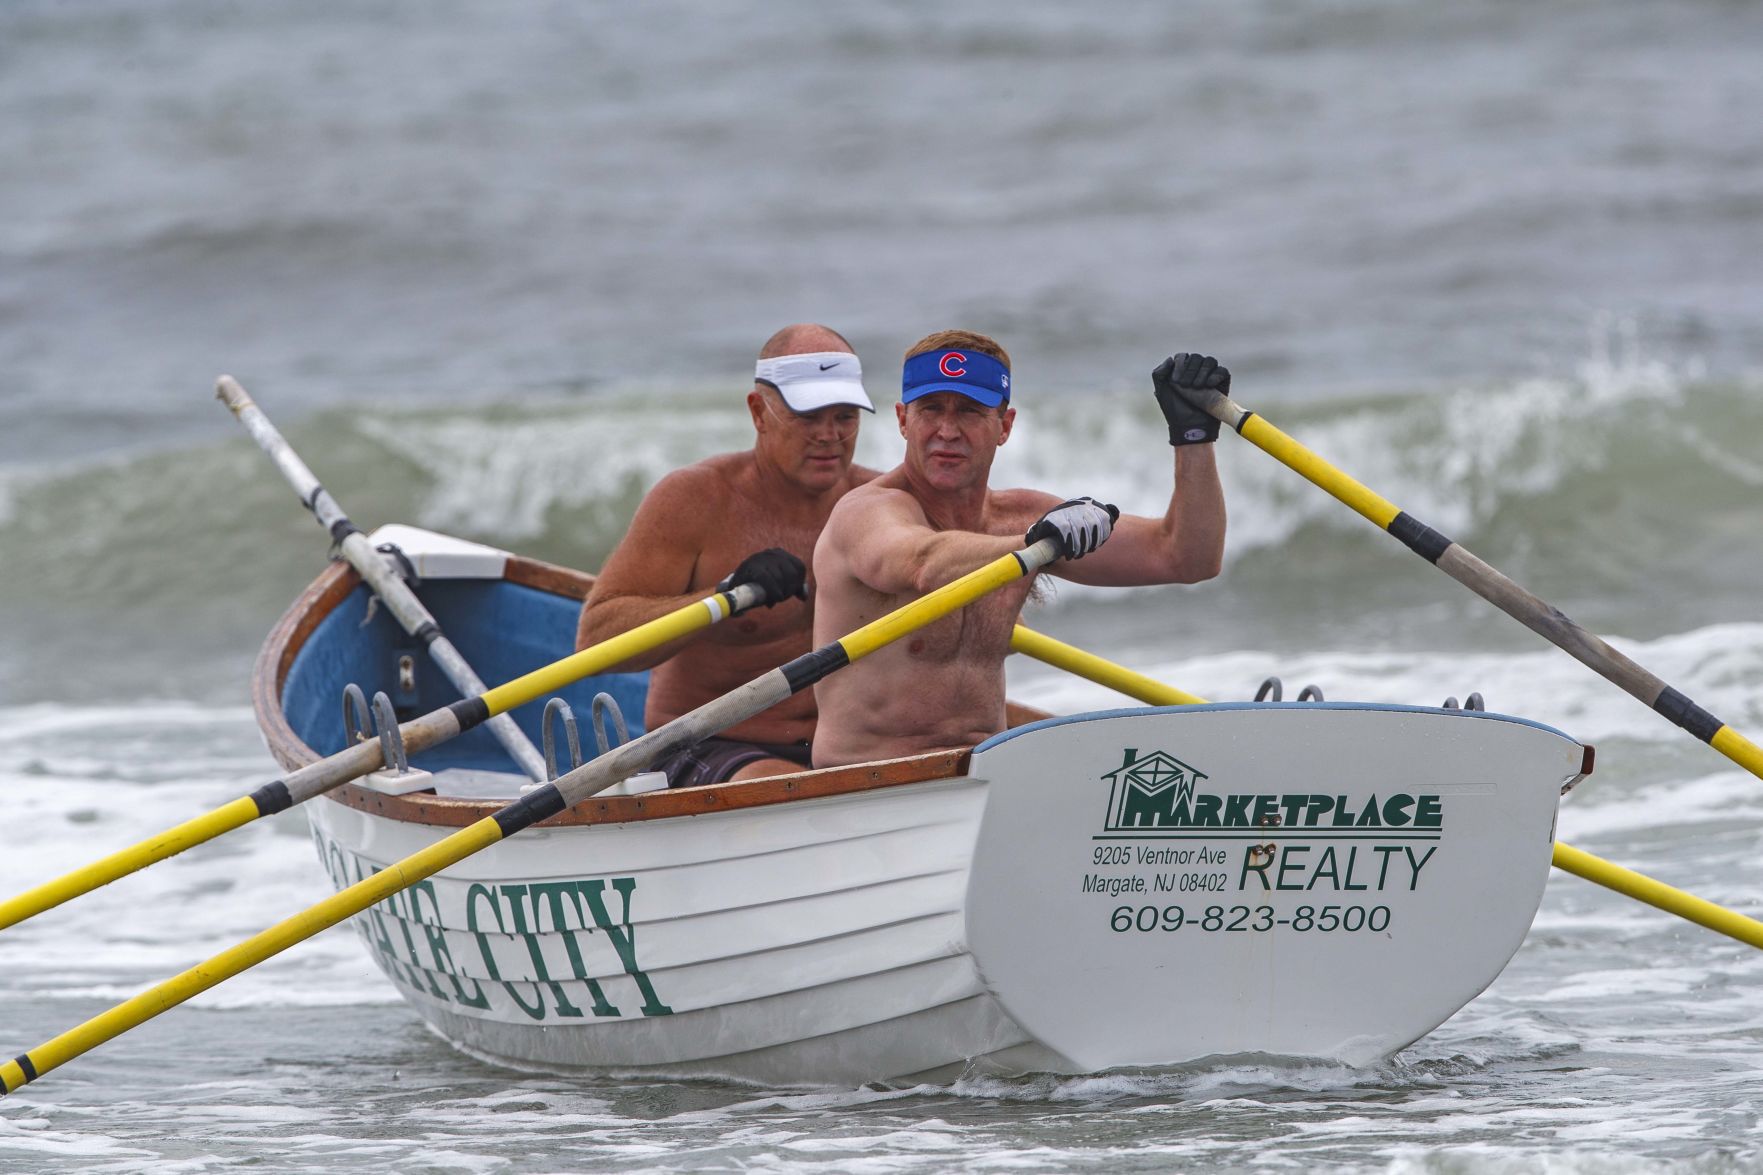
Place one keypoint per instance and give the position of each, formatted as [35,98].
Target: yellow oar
[1491,585]
[419,734]
[1576,861]
[740,703]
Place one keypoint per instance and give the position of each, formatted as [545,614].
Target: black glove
[776,572]
[1176,382]
[1080,526]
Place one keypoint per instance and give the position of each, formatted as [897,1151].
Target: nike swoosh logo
[834,363]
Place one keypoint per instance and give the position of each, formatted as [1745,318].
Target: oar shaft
[392,590]
[350,763]
[548,800]
[1493,586]
[126,861]
[1073,660]
[163,997]
[1642,888]
[1576,861]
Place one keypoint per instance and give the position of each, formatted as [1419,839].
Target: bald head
[804,338]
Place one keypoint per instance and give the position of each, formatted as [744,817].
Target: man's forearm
[601,620]
[950,554]
[1196,513]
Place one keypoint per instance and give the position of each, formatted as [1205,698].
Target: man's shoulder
[862,505]
[711,475]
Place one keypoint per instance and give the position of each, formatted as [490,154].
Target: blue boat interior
[504,630]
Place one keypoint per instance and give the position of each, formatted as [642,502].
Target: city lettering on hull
[525,913]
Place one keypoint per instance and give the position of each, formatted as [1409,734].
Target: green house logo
[1156,791]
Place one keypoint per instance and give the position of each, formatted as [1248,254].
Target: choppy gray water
[496,270]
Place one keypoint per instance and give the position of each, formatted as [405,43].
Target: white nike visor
[818,380]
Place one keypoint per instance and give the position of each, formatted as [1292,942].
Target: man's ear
[1008,420]
[900,415]
[756,409]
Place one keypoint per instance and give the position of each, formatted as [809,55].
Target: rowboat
[1142,886]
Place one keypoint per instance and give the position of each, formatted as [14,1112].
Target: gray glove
[1079,526]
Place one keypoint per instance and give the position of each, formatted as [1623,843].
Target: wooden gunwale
[333,585]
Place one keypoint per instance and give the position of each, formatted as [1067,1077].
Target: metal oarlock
[395,777]
[355,715]
[1472,702]
[1272,690]
[391,738]
[571,736]
[604,703]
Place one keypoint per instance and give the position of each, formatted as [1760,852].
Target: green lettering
[1368,818]
[1236,811]
[1286,864]
[1206,810]
[1417,866]
[1343,816]
[442,958]
[534,947]
[472,895]
[623,937]
[1249,866]
[1429,813]
[1395,810]
[1384,851]
[555,892]
[1325,865]
[1352,860]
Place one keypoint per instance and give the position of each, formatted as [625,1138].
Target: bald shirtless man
[934,518]
[749,517]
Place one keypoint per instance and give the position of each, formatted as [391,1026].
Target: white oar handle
[375,570]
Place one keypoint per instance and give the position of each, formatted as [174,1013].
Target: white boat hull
[1000,917]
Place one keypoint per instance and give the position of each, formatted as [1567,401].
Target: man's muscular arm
[650,573]
[1186,545]
[885,542]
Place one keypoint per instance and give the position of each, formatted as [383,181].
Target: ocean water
[495,270]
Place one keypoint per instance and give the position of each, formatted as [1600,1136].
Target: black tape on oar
[428,632]
[531,808]
[341,529]
[1420,538]
[272,798]
[1687,714]
[23,1060]
[470,712]
[809,668]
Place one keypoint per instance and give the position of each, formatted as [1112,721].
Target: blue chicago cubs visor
[974,375]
